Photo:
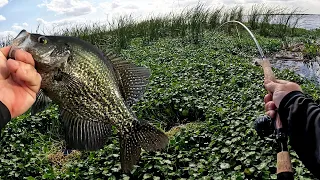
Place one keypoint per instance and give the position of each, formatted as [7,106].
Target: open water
[310,21]
[311,69]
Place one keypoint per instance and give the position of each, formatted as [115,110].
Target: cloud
[3,3]
[140,9]
[68,7]
[41,21]
[61,22]
[18,27]
[110,11]
[51,27]
[4,35]
[2,18]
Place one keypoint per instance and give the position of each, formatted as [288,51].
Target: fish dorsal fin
[41,103]
[82,133]
[131,78]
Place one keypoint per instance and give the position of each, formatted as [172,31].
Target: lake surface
[309,70]
[310,22]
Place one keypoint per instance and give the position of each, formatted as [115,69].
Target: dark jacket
[303,117]
[5,115]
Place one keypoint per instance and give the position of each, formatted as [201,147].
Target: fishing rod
[265,126]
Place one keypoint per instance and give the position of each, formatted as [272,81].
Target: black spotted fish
[94,92]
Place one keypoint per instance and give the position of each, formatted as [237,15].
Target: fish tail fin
[139,135]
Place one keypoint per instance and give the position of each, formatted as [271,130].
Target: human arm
[302,116]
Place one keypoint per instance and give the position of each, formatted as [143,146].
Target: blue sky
[16,15]
[18,12]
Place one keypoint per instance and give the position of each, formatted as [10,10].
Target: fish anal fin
[140,135]
[132,79]
[84,134]
[41,103]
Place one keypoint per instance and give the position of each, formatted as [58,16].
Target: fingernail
[12,53]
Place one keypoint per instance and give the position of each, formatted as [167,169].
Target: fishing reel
[265,126]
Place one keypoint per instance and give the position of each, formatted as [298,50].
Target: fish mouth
[18,42]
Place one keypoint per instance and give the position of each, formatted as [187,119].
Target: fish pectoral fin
[131,78]
[140,135]
[41,103]
[84,134]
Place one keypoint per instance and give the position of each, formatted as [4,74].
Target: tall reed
[189,24]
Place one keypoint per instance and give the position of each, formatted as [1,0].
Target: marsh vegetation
[205,92]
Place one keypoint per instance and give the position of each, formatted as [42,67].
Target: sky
[50,15]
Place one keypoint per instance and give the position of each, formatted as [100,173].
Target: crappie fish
[93,92]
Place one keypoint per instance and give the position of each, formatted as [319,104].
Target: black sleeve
[5,115]
[303,117]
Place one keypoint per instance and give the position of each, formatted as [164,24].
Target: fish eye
[42,40]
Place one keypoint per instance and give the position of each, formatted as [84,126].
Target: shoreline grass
[190,24]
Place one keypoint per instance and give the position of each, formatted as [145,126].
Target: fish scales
[96,83]
[93,92]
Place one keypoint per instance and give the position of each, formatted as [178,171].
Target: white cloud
[50,27]
[69,7]
[19,27]
[2,18]
[140,9]
[3,3]
[41,21]
[61,22]
[7,35]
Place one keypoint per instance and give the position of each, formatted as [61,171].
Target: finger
[282,81]
[26,73]
[270,86]
[267,98]
[4,73]
[270,106]
[5,52]
[271,114]
[23,56]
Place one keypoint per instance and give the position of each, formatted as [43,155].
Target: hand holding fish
[19,81]
[277,91]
